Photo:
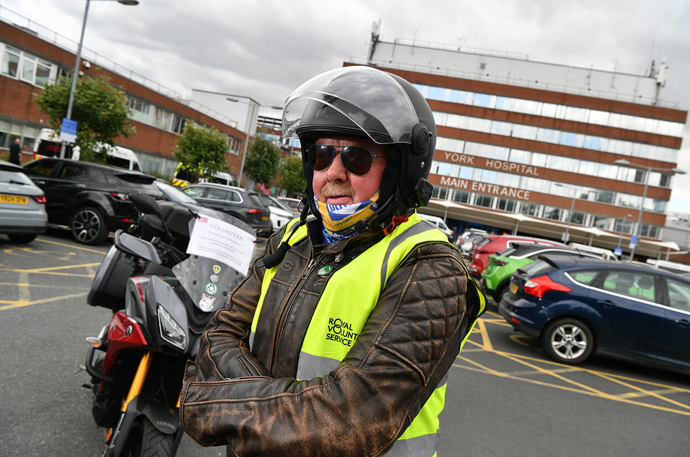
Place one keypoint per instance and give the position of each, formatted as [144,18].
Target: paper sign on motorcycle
[223,242]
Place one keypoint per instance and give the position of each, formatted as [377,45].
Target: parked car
[22,205]
[465,242]
[495,243]
[235,201]
[496,276]
[601,252]
[89,198]
[578,307]
[280,214]
[293,203]
[439,224]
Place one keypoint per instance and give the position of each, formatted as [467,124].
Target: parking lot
[505,397]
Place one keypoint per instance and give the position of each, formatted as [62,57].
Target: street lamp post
[75,73]
[252,110]
[635,240]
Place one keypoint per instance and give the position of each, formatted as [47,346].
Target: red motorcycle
[161,299]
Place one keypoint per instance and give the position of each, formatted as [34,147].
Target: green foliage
[99,108]
[292,176]
[262,161]
[201,148]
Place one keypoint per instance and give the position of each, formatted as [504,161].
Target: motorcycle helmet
[363,102]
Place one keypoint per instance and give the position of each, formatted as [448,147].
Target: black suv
[90,198]
[238,202]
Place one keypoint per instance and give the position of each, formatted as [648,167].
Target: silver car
[22,205]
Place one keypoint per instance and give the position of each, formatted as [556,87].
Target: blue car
[581,306]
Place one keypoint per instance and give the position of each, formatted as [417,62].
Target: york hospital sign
[486,188]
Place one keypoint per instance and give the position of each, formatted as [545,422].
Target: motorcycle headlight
[170,330]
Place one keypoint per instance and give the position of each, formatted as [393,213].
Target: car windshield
[173,194]
[279,204]
[535,268]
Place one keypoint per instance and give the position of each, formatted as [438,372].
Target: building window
[577,218]
[461,196]
[603,222]
[552,213]
[650,231]
[440,192]
[483,200]
[623,226]
[10,61]
[529,209]
[178,123]
[505,204]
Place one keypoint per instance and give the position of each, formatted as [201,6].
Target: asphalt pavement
[504,396]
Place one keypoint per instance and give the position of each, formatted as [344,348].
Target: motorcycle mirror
[145,203]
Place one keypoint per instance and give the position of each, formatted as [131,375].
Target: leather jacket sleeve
[404,352]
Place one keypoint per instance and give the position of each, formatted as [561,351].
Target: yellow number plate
[513,288]
[19,199]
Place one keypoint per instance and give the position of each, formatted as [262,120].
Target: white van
[220,177]
[601,252]
[48,145]
[438,223]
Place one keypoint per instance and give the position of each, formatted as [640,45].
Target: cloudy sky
[264,49]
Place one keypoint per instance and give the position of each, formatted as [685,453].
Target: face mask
[339,218]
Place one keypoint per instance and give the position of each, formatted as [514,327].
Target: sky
[266,48]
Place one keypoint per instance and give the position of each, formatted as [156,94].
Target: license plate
[19,199]
[264,218]
[513,288]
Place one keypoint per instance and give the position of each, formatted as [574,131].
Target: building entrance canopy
[515,222]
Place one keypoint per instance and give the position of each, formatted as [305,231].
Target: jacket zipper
[289,305]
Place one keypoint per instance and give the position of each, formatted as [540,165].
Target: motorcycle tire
[145,440]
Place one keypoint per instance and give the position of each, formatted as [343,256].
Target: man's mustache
[336,189]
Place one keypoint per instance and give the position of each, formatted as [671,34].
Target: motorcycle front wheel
[145,440]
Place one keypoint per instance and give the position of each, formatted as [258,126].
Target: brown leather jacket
[252,402]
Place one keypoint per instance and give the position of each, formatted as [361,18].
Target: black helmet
[364,102]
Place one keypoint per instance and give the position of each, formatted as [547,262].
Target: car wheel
[568,341]
[22,238]
[88,226]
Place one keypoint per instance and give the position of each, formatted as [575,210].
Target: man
[340,340]
[15,150]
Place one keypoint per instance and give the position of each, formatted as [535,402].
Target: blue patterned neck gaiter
[339,220]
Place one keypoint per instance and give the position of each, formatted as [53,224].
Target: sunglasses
[355,159]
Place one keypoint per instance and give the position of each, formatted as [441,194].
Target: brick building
[32,56]
[536,147]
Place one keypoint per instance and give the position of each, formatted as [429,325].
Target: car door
[634,317]
[44,174]
[678,318]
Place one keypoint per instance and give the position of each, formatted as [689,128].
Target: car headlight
[170,330]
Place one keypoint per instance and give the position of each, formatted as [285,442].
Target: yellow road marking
[578,391]
[22,303]
[71,246]
[519,338]
[556,375]
[486,341]
[638,389]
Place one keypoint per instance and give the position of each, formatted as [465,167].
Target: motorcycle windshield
[207,280]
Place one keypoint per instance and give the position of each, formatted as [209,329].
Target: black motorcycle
[161,298]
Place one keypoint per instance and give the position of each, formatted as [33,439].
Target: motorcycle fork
[135,388]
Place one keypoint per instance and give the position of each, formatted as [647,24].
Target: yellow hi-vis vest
[334,328]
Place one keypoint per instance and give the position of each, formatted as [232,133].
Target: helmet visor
[371,99]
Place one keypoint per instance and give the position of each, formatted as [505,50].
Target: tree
[99,108]
[201,148]
[292,176]
[262,161]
